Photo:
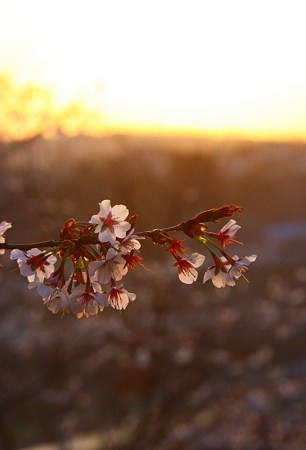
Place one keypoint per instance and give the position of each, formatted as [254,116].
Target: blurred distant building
[285,242]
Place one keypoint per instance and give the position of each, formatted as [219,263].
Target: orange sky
[227,68]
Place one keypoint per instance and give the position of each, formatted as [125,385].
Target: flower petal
[4,226]
[51,259]
[188,276]
[107,236]
[120,300]
[196,259]
[120,212]
[251,258]
[18,254]
[111,254]
[105,208]
[210,272]
[219,280]
[230,228]
[95,220]
[121,228]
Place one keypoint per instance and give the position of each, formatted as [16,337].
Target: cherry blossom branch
[211,215]
[100,252]
[42,244]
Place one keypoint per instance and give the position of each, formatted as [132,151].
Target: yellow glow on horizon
[186,67]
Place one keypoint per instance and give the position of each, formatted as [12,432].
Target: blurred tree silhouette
[28,110]
[25,110]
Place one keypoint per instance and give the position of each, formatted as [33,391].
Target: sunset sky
[225,68]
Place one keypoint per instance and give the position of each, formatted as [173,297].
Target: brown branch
[157,235]
[43,244]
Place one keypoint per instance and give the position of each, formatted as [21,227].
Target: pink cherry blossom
[34,264]
[187,267]
[110,222]
[4,226]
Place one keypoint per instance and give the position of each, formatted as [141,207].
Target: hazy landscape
[183,367]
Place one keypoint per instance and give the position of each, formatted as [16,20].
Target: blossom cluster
[82,273]
[225,270]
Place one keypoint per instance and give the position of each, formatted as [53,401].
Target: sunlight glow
[222,68]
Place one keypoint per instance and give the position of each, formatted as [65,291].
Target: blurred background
[170,108]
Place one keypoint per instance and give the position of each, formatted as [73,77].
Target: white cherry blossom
[241,264]
[118,297]
[113,266]
[187,267]
[227,233]
[58,300]
[224,273]
[129,243]
[46,287]
[33,264]
[230,228]
[86,304]
[110,222]
[219,276]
